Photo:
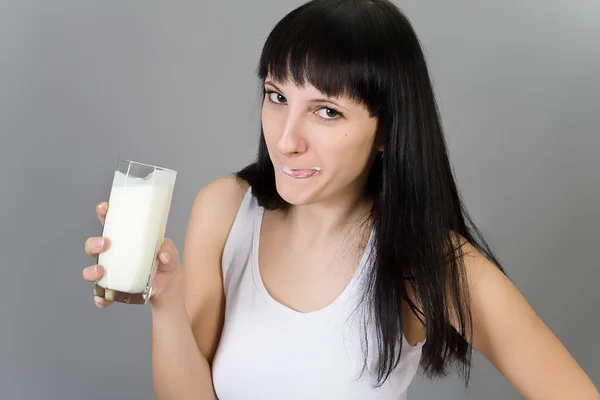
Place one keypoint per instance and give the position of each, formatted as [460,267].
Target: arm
[186,329]
[507,331]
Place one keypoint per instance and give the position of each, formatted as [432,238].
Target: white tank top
[269,351]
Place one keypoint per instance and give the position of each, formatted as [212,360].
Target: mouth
[300,173]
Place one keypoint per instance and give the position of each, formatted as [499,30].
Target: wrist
[169,303]
[168,296]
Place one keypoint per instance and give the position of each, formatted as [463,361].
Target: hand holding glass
[135,224]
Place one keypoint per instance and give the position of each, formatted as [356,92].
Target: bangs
[335,48]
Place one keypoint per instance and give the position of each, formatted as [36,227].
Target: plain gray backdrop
[83,83]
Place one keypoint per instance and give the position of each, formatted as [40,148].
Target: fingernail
[96,270]
[166,258]
[101,206]
[99,242]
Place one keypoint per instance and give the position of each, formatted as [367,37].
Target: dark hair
[368,50]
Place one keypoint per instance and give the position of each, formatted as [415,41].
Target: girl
[342,260]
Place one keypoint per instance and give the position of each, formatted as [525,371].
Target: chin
[296,191]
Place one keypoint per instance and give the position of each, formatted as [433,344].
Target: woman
[342,259]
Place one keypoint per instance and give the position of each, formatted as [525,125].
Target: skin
[317,243]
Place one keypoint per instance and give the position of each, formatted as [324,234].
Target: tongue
[302,173]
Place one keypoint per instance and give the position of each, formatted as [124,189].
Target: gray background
[83,83]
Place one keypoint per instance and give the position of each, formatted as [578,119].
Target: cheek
[349,155]
[270,127]
[349,151]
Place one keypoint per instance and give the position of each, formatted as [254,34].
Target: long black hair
[368,50]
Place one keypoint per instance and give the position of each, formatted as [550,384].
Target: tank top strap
[238,245]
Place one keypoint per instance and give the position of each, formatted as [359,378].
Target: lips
[300,173]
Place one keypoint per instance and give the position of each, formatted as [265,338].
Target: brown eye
[276,98]
[329,113]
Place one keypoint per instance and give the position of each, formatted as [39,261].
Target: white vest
[269,351]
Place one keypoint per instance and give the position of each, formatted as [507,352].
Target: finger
[95,245]
[93,273]
[167,262]
[102,303]
[164,257]
[168,256]
[169,247]
[101,210]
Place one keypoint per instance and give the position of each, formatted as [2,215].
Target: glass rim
[121,160]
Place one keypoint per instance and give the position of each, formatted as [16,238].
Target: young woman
[342,260]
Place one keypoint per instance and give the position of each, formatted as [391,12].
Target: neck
[329,217]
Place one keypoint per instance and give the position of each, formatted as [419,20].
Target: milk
[135,227]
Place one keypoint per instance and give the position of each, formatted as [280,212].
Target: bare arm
[215,207]
[179,369]
[507,331]
[187,321]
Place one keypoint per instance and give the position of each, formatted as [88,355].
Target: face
[320,147]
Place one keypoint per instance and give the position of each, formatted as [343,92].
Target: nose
[293,138]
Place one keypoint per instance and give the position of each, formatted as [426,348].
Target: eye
[329,113]
[325,113]
[275,97]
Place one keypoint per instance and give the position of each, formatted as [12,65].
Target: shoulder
[475,277]
[217,203]
[481,274]
[496,306]
[225,193]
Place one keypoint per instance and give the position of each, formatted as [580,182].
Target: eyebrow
[312,100]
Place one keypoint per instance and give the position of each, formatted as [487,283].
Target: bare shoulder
[224,194]
[226,187]
[213,212]
[413,320]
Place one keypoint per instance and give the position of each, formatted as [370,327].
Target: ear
[379,144]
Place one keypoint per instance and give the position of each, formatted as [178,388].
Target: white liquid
[135,228]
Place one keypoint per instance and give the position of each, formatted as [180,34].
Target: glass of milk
[138,208]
